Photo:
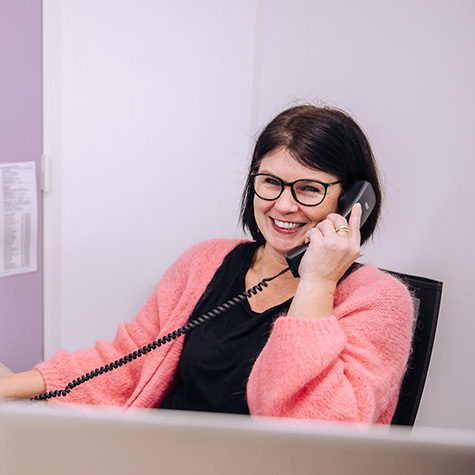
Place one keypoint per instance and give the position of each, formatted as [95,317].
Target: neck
[267,265]
[267,262]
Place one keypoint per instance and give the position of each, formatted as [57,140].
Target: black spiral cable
[161,341]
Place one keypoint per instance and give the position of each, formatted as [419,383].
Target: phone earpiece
[361,192]
[350,197]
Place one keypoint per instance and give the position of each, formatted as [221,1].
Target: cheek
[331,205]
[319,213]
[261,207]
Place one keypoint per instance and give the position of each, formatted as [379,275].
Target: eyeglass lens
[307,192]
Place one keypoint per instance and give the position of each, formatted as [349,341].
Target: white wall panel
[154,104]
[405,70]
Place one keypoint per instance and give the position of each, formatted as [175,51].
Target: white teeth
[286,225]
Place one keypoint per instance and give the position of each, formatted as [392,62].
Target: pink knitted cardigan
[346,367]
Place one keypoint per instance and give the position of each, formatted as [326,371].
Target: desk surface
[42,439]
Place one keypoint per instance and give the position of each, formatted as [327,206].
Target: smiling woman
[309,347]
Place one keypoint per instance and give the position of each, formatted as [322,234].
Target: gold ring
[342,228]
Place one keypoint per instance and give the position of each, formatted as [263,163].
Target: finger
[342,231]
[327,227]
[312,234]
[337,220]
[339,224]
[355,218]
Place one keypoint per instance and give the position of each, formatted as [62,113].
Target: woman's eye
[312,189]
[272,181]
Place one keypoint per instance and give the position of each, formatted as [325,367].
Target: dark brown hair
[321,138]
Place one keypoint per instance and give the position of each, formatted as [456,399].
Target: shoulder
[372,284]
[195,268]
[203,257]
[374,303]
[211,249]
[371,276]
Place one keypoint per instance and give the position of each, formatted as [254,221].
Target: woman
[330,345]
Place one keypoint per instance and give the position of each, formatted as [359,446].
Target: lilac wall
[21,325]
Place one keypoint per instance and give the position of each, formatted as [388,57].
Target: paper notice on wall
[18,218]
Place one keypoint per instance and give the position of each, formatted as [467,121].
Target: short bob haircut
[320,138]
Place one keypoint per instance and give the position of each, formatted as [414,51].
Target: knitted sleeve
[116,387]
[145,379]
[346,367]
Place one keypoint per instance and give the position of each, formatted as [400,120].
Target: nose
[286,202]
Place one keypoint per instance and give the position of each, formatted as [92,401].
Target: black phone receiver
[361,192]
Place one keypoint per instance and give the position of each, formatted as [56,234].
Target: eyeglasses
[305,192]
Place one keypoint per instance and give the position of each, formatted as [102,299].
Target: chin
[282,248]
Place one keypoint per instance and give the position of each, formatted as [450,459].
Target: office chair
[428,294]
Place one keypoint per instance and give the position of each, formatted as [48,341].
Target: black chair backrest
[428,293]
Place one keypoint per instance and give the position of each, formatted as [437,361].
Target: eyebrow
[266,172]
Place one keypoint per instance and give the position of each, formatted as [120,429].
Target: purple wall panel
[21,296]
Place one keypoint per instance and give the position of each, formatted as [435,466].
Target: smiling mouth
[286,224]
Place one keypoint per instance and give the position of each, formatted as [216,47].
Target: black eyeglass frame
[283,184]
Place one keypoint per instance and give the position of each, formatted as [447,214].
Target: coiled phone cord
[161,341]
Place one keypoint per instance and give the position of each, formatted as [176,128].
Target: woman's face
[284,222]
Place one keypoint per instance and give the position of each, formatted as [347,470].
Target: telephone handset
[361,192]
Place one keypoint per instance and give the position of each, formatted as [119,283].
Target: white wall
[406,71]
[145,91]
[148,154]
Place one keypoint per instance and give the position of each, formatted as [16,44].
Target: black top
[218,355]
